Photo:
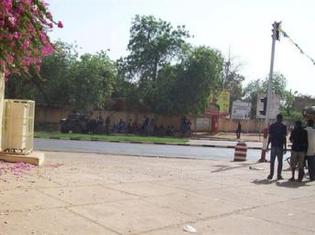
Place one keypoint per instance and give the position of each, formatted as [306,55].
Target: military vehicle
[75,123]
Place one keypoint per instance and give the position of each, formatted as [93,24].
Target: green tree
[288,102]
[67,80]
[51,86]
[186,87]
[92,80]
[153,44]
[165,74]
[55,82]
[20,87]
[251,92]
[278,85]
[256,87]
[287,108]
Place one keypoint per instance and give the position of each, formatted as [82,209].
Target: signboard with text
[240,110]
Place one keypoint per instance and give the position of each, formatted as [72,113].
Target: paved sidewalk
[79,193]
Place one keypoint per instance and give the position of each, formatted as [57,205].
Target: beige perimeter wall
[248,126]
[54,115]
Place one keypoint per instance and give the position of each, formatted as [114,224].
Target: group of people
[302,152]
[185,127]
[148,127]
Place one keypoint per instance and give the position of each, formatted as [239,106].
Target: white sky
[244,26]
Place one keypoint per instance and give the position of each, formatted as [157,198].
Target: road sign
[240,110]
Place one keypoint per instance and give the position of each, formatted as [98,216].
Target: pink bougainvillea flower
[25,44]
[12,21]
[16,35]
[23,34]
[49,15]
[60,25]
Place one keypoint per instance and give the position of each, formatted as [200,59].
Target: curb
[222,139]
[156,143]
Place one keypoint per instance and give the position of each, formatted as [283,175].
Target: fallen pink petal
[14,168]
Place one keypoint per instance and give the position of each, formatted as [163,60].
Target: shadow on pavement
[228,167]
[289,184]
[264,181]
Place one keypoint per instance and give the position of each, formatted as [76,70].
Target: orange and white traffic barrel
[240,151]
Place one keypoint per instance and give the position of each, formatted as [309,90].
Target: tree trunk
[2,84]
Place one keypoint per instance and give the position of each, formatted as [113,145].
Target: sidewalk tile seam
[99,203]
[198,219]
[58,186]
[7,211]
[245,209]
[279,223]
[71,186]
[53,197]
[143,198]
[194,191]
[156,206]
[162,228]
[93,221]
[132,182]
[138,195]
[121,191]
[69,204]
[185,189]
[270,204]
[236,212]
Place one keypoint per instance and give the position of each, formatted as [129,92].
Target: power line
[296,45]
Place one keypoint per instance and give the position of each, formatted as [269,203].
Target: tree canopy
[166,72]
[162,73]
[65,79]
[92,79]
[153,43]
[278,85]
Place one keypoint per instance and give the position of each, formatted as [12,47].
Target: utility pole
[275,36]
[227,68]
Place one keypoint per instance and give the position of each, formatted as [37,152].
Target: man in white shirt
[310,154]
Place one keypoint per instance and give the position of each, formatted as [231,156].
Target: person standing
[299,141]
[107,125]
[277,138]
[238,131]
[310,154]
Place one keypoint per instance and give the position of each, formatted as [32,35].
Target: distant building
[301,102]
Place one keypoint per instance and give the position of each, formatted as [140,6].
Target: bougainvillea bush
[23,34]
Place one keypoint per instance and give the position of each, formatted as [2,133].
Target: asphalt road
[140,149]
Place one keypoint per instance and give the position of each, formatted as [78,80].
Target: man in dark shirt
[277,138]
[299,141]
